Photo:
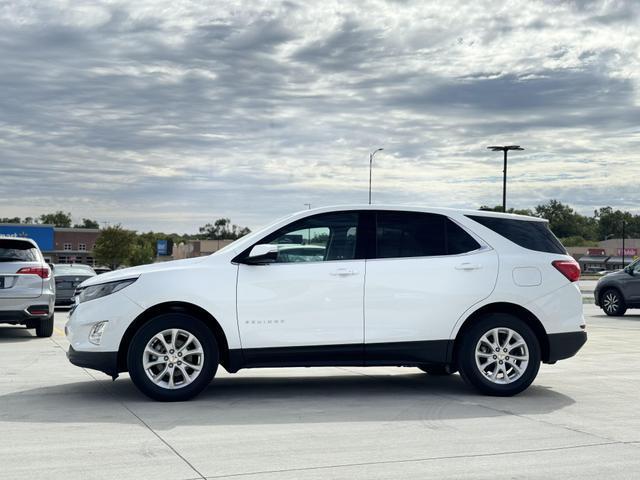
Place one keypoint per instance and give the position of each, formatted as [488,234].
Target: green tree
[142,252]
[10,220]
[57,219]
[115,246]
[87,223]
[610,223]
[565,222]
[222,229]
[517,211]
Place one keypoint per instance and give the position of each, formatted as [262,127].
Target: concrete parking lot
[579,420]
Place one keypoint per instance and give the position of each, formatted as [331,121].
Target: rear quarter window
[17,251]
[529,234]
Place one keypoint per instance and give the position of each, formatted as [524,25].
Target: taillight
[569,268]
[42,272]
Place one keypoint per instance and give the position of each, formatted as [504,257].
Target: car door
[307,306]
[632,284]
[426,272]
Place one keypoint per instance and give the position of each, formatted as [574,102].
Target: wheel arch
[173,307]
[504,307]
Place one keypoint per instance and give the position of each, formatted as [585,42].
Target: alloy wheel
[611,302]
[502,355]
[173,358]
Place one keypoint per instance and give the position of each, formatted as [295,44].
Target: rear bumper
[24,316]
[18,310]
[565,345]
[106,362]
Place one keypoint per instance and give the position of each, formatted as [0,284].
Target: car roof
[419,208]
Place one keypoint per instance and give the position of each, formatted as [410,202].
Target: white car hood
[133,272]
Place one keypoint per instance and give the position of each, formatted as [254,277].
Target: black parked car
[618,291]
[68,277]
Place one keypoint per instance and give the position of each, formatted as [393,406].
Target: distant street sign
[164,247]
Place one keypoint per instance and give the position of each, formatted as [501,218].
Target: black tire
[44,328]
[438,370]
[471,372]
[612,303]
[145,334]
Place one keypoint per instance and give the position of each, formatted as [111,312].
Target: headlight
[95,334]
[102,290]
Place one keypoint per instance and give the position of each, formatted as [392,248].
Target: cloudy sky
[164,115]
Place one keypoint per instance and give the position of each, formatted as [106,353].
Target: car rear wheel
[613,303]
[173,357]
[44,327]
[499,355]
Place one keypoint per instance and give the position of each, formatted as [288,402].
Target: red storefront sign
[628,252]
[595,252]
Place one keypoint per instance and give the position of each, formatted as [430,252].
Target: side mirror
[630,271]
[262,254]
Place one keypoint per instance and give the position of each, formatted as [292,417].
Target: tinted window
[408,234]
[526,233]
[328,236]
[17,251]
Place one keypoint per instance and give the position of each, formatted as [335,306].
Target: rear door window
[414,234]
[17,251]
[530,234]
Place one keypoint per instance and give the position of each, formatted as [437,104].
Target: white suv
[488,294]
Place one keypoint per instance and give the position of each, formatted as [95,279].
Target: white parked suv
[487,294]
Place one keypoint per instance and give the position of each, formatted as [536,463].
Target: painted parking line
[59,331]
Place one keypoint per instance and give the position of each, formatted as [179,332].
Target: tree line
[117,246]
[58,219]
[575,229]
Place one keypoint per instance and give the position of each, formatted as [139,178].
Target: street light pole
[504,149]
[623,232]
[371,168]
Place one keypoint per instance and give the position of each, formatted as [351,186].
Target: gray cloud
[163,116]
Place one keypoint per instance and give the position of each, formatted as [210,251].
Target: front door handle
[343,272]
[468,266]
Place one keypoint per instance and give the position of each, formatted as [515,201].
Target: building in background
[606,255]
[74,245]
[198,248]
[58,245]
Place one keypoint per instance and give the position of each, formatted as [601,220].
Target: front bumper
[106,362]
[565,345]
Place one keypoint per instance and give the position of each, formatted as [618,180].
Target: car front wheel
[173,357]
[613,303]
[499,355]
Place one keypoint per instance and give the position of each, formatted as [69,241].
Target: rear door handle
[468,266]
[343,272]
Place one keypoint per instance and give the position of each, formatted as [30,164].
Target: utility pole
[623,235]
[371,155]
[505,149]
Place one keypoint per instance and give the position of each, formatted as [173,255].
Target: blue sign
[43,236]
[162,247]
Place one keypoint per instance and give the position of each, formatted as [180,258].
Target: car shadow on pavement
[14,334]
[264,400]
